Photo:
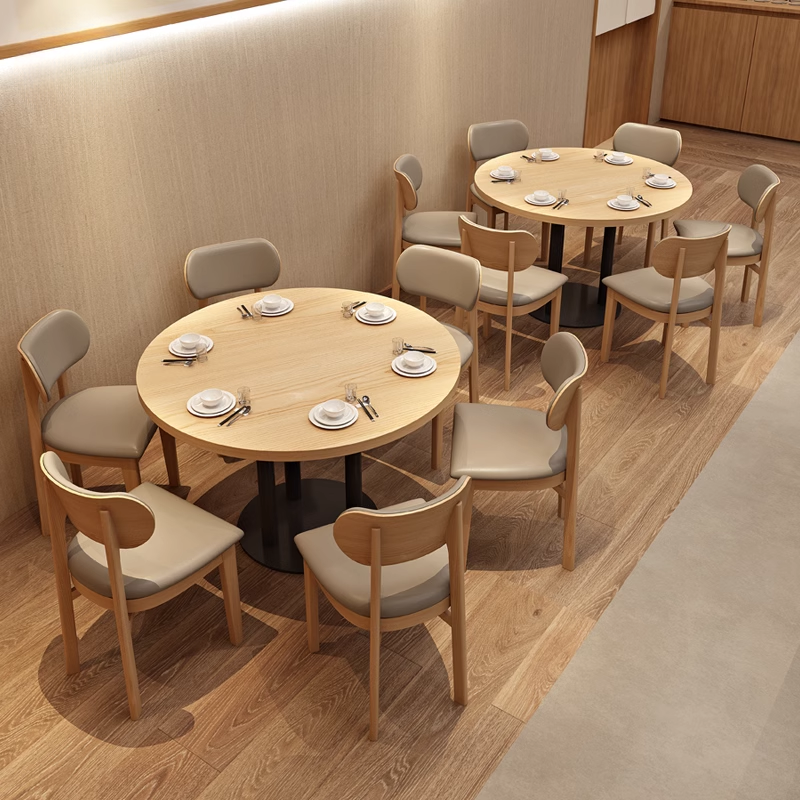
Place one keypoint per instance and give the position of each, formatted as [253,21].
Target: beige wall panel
[119,156]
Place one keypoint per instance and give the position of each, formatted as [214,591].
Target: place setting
[618,159]
[505,174]
[660,181]
[189,349]
[540,197]
[625,202]
[272,305]
[375,314]
[211,403]
[414,364]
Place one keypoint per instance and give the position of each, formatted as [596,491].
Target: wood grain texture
[744,6]
[122,155]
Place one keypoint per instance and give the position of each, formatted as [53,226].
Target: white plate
[670,185]
[400,369]
[347,415]
[331,426]
[388,316]
[624,163]
[529,199]
[553,157]
[427,363]
[176,349]
[284,308]
[230,402]
[495,174]
[613,205]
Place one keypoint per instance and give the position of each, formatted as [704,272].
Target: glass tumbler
[243,395]
[201,352]
[397,346]
[347,309]
[350,390]
[647,173]
[256,312]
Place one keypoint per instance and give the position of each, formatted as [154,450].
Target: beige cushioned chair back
[441,274]
[133,520]
[408,172]
[564,364]
[699,255]
[493,248]
[757,186]
[491,139]
[53,344]
[405,535]
[648,141]
[231,267]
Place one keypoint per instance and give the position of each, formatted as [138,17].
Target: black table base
[273,518]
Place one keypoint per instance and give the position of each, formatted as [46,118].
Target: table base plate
[321,501]
[579,307]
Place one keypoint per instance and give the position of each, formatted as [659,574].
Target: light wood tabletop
[589,184]
[291,363]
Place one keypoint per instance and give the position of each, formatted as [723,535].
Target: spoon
[242,414]
[176,362]
[365,400]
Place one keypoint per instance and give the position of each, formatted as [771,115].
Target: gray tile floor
[689,685]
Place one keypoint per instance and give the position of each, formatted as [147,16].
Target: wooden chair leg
[670,334]
[459,318]
[229,578]
[491,218]
[423,303]
[664,333]
[458,623]
[761,295]
[561,504]
[128,660]
[398,249]
[487,328]
[312,608]
[746,281]
[66,610]
[665,227]
[619,234]
[608,325]
[131,476]
[374,680]
[587,246]
[506,215]
[509,332]
[570,519]
[170,458]
[545,254]
[713,353]
[649,244]
[474,383]
[76,474]
[437,441]
[555,313]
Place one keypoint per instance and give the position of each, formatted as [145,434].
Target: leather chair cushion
[505,443]
[437,228]
[464,342]
[184,540]
[530,285]
[742,240]
[106,421]
[652,290]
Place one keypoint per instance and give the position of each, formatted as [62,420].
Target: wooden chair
[512,449]
[102,426]
[134,552]
[455,279]
[672,292]
[758,188]
[510,286]
[435,228]
[247,265]
[393,569]
[648,141]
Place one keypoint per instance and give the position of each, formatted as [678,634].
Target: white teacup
[374,309]
[546,152]
[413,359]
[625,200]
[509,171]
[271,302]
[660,179]
[541,196]
[334,409]
[211,398]
[189,341]
[617,156]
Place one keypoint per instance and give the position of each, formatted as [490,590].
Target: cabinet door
[639,9]
[772,104]
[708,60]
[610,15]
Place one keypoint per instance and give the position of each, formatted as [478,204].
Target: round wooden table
[590,185]
[291,363]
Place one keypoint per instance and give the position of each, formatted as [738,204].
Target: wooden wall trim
[49,42]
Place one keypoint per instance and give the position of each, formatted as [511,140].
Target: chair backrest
[678,256]
[405,535]
[408,172]
[231,267]
[757,187]
[441,274]
[133,521]
[649,141]
[487,140]
[564,365]
[52,345]
[495,249]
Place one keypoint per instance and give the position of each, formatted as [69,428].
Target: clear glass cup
[347,309]
[631,191]
[397,346]
[256,312]
[243,395]
[350,390]
[599,155]
[535,156]
[562,194]
[201,352]
[647,173]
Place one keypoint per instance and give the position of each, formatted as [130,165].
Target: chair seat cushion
[530,285]
[464,342]
[505,443]
[436,228]
[652,290]
[405,588]
[185,539]
[106,421]
[474,190]
[742,240]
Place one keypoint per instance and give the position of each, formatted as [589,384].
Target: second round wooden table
[291,363]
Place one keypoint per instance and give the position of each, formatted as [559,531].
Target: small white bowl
[541,196]
[505,171]
[546,152]
[374,309]
[334,409]
[189,341]
[413,359]
[625,200]
[271,302]
[211,398]
[660,179]
[617,156]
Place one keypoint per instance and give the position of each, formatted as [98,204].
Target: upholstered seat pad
[530,285]
[106,421]
[464,342]
[652,290]
[437,228]
[405,588]
[474,190]
[185,539]
[505,443]
[742,240]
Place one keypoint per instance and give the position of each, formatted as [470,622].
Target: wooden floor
[268,720]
